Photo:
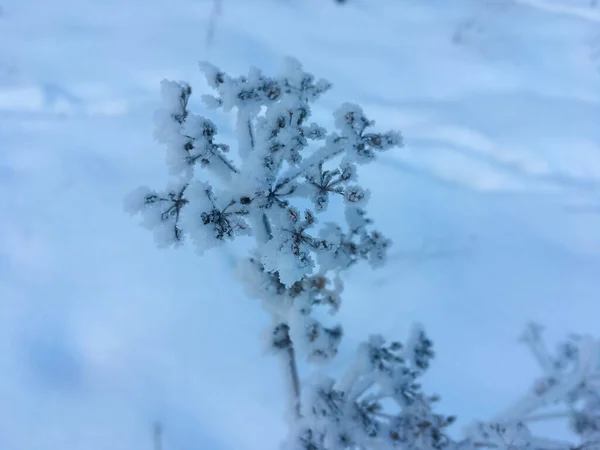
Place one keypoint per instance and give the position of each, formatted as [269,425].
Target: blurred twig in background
[212,21]
[157,432]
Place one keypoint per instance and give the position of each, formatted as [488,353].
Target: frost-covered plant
[570,381]
[282,177]
[569,389]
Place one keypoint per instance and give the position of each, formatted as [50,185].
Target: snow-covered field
[493,206]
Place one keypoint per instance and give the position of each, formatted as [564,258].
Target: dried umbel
[272,186]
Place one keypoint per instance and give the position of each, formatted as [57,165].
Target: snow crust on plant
[283,157]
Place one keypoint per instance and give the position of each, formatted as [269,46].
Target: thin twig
[547,416]
[212,21]
[157,436]
[293,367]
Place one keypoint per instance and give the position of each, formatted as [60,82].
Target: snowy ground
[493,207]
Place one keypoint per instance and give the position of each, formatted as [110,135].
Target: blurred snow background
[495,218]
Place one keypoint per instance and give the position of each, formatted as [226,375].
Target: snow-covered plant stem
[291,371]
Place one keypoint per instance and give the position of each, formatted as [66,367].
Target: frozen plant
[274,187]
[284,175]
[569,389]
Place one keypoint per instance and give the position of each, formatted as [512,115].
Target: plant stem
[293,373]
[157,434]
[290,354]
